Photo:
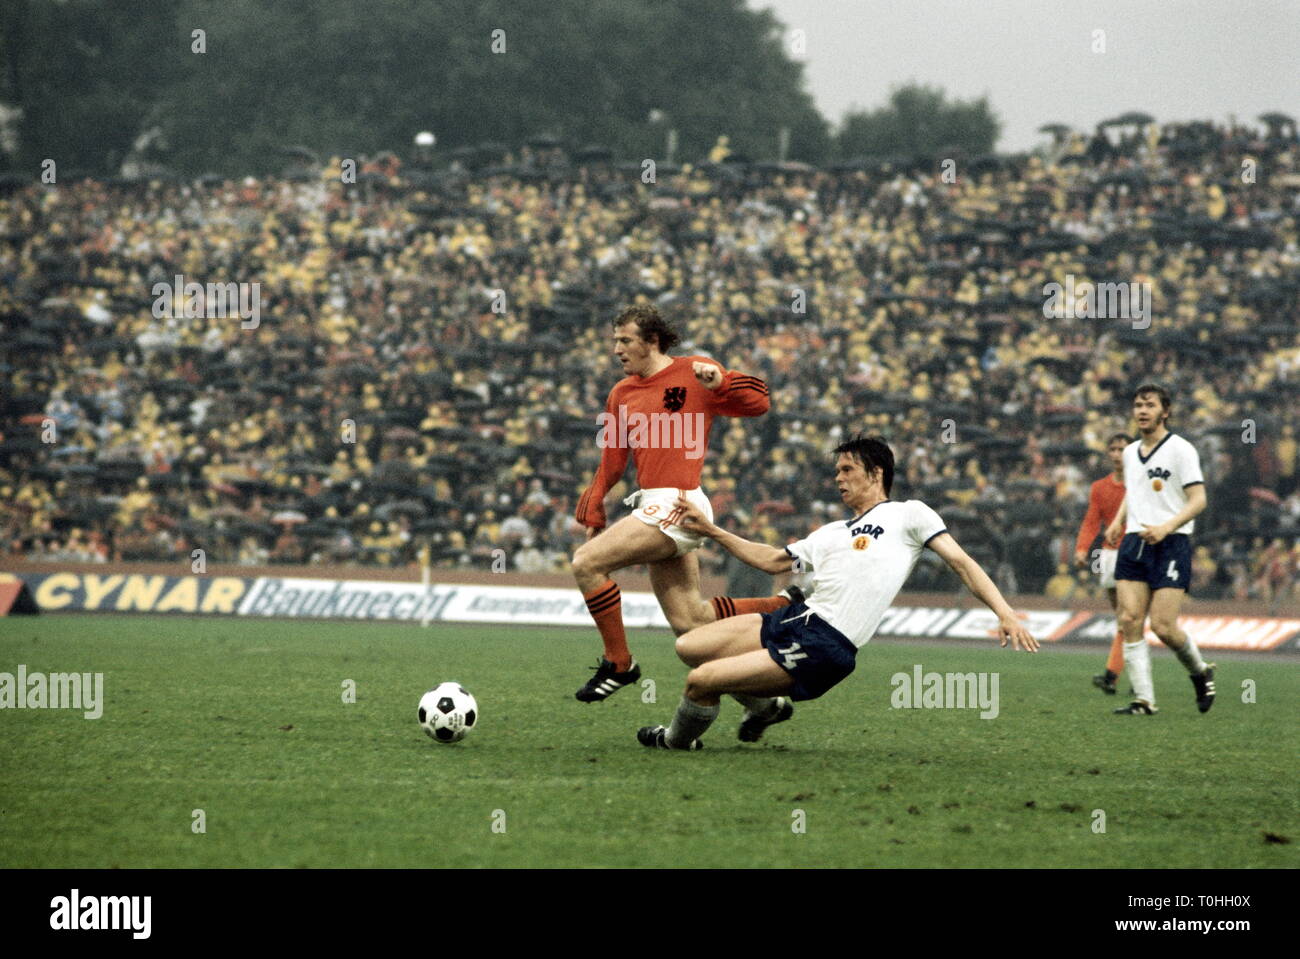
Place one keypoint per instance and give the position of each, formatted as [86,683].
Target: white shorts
[657,507]
[1107,571]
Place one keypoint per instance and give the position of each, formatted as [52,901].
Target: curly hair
[650,324]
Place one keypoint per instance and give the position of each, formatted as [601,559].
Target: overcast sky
[1174,59]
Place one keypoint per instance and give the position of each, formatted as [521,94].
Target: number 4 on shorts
[1172,572]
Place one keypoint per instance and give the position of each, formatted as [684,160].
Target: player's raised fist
[709,374]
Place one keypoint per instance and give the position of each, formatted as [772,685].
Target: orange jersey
[1104,498]
[665,421]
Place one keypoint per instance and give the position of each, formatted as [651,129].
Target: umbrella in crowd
[1027,485]
[29,342]
[408,507]
[248,527]
[1074,450]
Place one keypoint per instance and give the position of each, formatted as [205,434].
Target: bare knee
[585,566]
[698,683]
[1128,620]
[687,650]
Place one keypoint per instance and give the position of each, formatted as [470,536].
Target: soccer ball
[448,712]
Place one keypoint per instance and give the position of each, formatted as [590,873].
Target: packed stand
[433,349]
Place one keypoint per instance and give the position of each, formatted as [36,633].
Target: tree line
[224,87]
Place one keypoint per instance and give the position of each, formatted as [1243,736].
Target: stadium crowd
[433,349]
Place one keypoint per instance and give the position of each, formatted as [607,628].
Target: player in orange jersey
[662,411]
[1104,499]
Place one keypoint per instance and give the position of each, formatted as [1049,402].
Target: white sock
[1190,657]
[690,722]
[1137,659]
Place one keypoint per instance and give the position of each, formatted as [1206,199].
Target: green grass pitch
[246,721]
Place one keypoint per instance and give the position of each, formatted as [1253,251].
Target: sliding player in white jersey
[857,566]
[1163,494]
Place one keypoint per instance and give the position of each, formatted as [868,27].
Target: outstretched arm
[983,589]
[759,555]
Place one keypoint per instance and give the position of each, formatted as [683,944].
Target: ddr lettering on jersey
[858,566]
[1155,486]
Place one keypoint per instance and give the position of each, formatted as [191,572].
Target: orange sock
[605,603]
[1115,661]
[725,606]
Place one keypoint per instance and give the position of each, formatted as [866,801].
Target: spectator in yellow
[1286,462]
[1062,585]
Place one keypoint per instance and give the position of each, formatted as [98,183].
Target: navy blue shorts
[811,650]
[1166,565]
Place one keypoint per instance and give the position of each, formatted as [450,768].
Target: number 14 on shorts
[791,655]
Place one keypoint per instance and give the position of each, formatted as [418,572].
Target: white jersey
[859,565]
[1155,486]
